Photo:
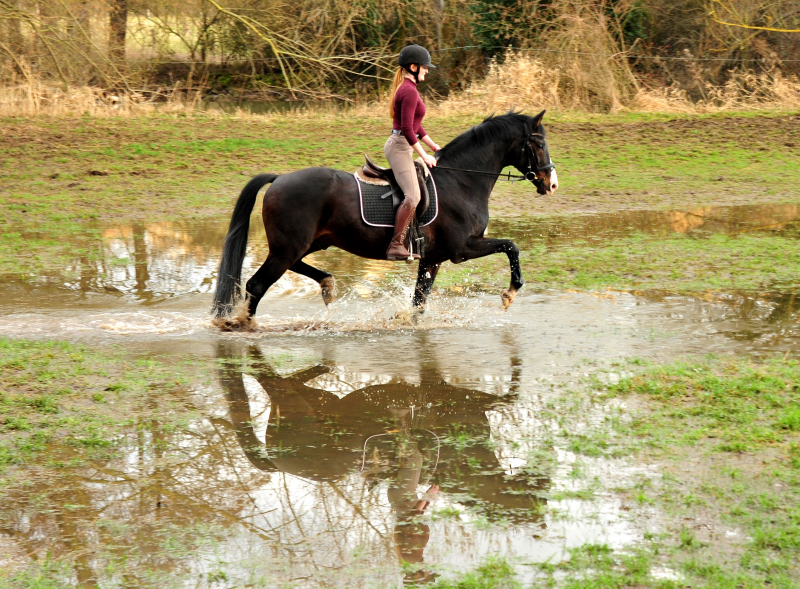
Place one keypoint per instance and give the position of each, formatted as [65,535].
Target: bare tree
[117,27]
[438,10]
[13,28]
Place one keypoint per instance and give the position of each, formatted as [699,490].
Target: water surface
[358,445]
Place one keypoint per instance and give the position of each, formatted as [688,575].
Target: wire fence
[376,58]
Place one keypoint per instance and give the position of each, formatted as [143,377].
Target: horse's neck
[492,158]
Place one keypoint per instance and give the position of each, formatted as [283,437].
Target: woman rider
[407,109]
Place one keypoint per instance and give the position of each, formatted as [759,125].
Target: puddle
[153,262]
[155,279]
[700,221]
[329,465]
[308,457]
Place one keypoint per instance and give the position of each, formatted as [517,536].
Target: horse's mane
[503,127]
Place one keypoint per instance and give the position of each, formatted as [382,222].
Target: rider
[406,110]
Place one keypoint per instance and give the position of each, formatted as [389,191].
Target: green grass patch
[738,404]
[675,263]
[735,420]
[60,394]
[492,574]
[61,176]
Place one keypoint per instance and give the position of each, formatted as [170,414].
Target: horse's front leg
[478,247]
[425,277]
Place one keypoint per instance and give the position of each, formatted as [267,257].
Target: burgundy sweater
[408,112]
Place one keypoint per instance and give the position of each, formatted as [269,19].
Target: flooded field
[362,445]
[155,278]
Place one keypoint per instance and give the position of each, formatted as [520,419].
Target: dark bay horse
[315,208]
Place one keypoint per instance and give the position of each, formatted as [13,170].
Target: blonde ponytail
[399,76]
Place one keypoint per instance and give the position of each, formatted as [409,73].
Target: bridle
[532,164]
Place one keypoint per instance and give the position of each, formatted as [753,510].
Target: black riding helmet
[414,54]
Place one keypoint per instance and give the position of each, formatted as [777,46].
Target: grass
[741,406]
[675,263]
[726,434]
[64,178]
[56,394]
[492,574]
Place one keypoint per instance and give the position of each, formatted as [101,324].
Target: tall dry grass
[578,56]
[519,81]
[573,54]
[524,81]
[33,99]
[52,100]
[580,60]
[742,91]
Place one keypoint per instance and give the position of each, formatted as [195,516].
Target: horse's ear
[538,119]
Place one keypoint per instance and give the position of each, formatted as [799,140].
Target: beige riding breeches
[401,158]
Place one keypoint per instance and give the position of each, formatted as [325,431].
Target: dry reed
[37,98]
[742,91]
[523,81]
[518,81]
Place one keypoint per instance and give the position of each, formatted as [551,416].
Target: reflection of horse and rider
[433,435]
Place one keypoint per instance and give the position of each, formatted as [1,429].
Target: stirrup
[411,255]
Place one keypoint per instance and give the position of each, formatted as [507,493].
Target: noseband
[534,166]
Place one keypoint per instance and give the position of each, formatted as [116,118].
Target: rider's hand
[429,160]
[436,147]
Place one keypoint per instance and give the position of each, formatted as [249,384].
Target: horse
[321,437]
[315,208]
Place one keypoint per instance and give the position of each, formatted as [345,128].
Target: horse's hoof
[235,324]
[508,297]
[328,286]
[403,318]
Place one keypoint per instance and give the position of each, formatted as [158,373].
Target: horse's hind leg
[326,281]
[426,274]
[269,273]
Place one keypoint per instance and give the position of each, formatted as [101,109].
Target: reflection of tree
[602,227]
[140,262]
[177,493]
[128,517]
[785,307]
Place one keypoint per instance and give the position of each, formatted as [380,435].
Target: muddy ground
[631,420]
[162,165]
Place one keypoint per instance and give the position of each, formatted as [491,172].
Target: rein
[530,175]
[500,176]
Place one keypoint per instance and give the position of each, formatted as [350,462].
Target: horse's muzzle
[547,184]
[551,182]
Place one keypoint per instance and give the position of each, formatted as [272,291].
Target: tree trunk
[82,14]
[117,26]
[438,10]
[14,32]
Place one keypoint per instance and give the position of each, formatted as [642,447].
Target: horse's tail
[230,266]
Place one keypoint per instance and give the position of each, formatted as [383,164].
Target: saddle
[372,170]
